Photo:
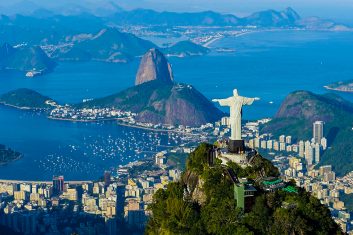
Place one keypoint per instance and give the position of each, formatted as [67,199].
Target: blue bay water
[268,65]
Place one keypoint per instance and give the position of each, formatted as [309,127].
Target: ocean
[268,65]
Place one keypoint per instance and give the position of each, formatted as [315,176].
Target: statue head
[235,92]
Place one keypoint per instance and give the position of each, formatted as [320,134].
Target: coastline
[98,120]
[212,41]
[338,89]
[22,108]
[12,160]
[122,124]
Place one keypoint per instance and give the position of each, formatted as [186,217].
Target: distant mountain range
[42,26]
[296,116]
[111,12]
[263,19]
[25,58]
[52,29]
[111,45]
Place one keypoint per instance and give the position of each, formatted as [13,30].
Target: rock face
[162,103]
[154,66]
[157,99]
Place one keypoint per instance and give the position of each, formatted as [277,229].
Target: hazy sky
[324,8]
[334,9]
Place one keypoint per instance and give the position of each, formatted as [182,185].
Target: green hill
[8,155]
[25,99]
[159,102]
[109,45]
[25,58]
[298,112]
[202,202]
[185,48]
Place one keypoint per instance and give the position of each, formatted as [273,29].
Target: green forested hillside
[203,203]
[296,116]
[25,98]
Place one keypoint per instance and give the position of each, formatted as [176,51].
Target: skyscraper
[318,131]
[58,184]
[289,139]
[309,153]
[317,153]
[324,143]
[301,148]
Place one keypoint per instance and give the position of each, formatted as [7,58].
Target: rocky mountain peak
[154,66]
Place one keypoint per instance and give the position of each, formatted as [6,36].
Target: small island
[8,155]
[27,99]
[344,86]
[185,48]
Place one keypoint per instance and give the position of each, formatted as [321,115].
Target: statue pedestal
[236,146]
[240,159]
[239,155]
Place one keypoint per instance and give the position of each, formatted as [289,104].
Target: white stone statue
[235,103]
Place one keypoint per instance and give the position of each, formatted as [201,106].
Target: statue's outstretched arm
[223,102]
[249,101]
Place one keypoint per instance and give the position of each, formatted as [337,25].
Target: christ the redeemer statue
[235,103]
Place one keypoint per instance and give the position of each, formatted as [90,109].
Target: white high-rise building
[276,145]
[263,144]
[301,148]
[282,139]
[317,153]
[257,142]
[269,144]
[318,131]
[324,143]
[225,121]
[309,153]
[289,139]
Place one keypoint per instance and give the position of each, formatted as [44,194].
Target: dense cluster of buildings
[297,161]
[311,150]
[90,114]
[324,185]
[139,188]
[59,207]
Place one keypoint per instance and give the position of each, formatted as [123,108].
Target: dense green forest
[25,98]
[202,202]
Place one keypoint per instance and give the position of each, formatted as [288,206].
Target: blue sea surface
[268,65]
